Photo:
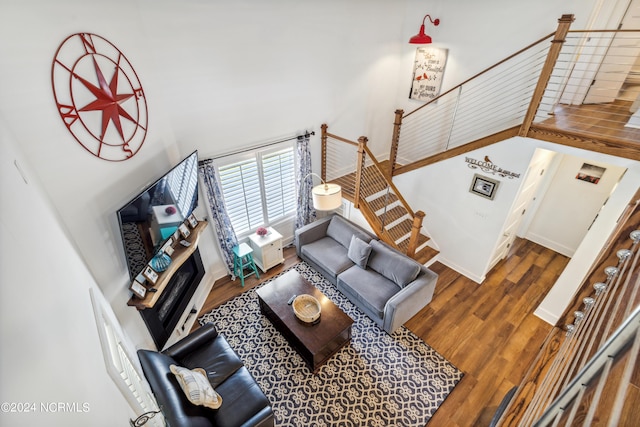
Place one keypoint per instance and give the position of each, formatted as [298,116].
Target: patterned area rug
[376,380]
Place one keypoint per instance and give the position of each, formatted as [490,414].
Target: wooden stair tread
[404,245]
[382,201]
[401,229]
[393,214]
[426,254]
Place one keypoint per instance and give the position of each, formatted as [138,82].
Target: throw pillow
[359,252]
[197,387]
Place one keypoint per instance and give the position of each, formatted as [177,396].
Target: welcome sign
[488,166]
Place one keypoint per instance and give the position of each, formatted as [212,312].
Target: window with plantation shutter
[278,170]
[241,189]
[259,190]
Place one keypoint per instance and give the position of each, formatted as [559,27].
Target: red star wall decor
[99,97]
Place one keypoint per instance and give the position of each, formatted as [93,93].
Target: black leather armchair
[243,402]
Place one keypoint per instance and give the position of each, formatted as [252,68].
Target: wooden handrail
[341,139]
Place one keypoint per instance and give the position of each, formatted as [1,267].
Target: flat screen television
[147,221]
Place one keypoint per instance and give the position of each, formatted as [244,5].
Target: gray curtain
[306,213]
[226,236]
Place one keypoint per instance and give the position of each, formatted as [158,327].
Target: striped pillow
[197,387]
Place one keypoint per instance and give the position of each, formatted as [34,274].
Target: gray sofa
[385,284]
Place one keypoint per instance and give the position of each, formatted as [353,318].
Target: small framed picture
[590,173]
[150,274]
[168,244]
[140,279]
[138,289]
[176,235]
[169,250]
[184,231]
[484,187]
[193,222]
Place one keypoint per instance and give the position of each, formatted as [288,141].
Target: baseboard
[550,244]
[464,272]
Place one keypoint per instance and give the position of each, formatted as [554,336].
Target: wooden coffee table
[316,343]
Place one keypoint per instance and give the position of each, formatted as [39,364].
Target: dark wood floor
[488,331]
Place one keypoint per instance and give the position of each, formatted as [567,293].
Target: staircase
[553,90]
[371,190]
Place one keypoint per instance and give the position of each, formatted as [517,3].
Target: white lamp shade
[327,197]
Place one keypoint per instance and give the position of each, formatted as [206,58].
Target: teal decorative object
[160,262]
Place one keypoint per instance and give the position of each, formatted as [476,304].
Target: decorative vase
[160,262]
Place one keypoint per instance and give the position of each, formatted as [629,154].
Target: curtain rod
[255,147]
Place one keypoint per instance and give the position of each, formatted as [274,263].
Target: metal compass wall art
[99,97]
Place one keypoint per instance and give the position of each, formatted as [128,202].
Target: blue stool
[243,259]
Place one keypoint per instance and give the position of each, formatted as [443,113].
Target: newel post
[395,142]
[415,232]
[362,142]
[323,148]
[552,57]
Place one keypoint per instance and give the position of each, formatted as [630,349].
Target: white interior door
[528,191]
[621,49]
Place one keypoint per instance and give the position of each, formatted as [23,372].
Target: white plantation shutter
[259,190]
[279,176]
[242,197]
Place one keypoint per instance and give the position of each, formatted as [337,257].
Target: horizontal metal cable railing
[492,101]
[594,85]
[601,335]
[339,160]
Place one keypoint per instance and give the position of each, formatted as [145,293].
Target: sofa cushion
[393,265]
[341,231]
[196,386]
[218,360]
[370,288]
[359,251]
[329,254]
[242,398]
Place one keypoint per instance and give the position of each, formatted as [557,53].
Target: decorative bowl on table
[306,308]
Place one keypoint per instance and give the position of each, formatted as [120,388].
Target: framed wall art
[184,230]
[590,173]
[138,289]
[150,274]
[193,222]
[428,71]
[484,187]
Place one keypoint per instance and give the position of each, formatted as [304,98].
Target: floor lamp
[326,197]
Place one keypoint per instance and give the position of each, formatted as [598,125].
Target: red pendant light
[421,37]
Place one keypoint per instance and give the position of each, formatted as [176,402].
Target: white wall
[569,206]
[50,348]
[466,226]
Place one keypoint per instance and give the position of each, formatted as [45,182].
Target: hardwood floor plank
[487,330]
